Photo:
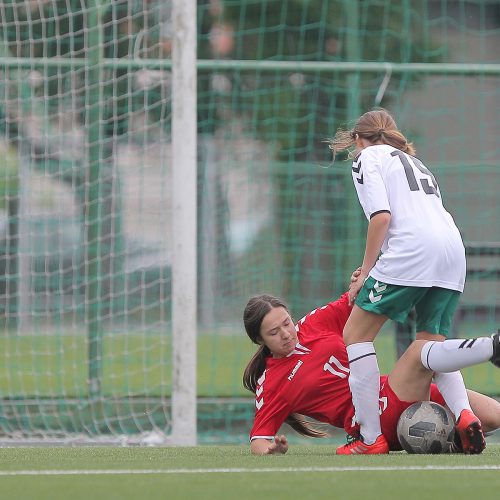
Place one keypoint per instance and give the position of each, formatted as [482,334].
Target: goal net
[87,191]
[87,237]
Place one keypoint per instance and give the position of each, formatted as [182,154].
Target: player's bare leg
[469,437]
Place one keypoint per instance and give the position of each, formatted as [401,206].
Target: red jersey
[313,381]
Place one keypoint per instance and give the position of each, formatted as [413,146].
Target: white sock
[455,354]
[452,387]
[364,381]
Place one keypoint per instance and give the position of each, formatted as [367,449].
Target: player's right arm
[278,446]
[377,231]
[271,411]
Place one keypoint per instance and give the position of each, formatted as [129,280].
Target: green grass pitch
[230,472]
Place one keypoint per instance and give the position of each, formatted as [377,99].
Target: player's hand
[278,446]
[356,286]
[355,275]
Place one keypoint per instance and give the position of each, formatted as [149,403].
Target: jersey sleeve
[332,317]
[271,411]
[369,182]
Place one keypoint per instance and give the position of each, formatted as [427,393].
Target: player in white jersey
[425,248]
[414,258]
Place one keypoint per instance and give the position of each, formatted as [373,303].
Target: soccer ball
[426,427]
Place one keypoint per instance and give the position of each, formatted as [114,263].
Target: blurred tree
[293,111]
[297,111]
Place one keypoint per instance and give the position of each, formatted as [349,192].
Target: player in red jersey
[302,370]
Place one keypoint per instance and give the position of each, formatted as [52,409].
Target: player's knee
[413,353]
[354,335]
[417,345]
[349,338]
[494,417]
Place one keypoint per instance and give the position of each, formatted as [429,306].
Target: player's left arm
[278,446]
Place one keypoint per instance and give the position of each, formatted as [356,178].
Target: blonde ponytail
[376,126]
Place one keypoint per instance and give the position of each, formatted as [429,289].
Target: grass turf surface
[230,472]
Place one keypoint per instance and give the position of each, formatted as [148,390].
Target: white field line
[241,470]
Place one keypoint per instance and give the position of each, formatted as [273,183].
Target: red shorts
[391,408]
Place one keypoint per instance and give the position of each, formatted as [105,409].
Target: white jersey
[423,246]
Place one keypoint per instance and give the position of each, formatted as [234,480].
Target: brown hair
[256,309]
[376,126]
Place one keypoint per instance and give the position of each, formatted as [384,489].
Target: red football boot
[469,431]
[358,447]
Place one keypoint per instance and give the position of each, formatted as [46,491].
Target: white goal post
[98,195]
[184,161]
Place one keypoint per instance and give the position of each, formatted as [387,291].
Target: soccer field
[306,472]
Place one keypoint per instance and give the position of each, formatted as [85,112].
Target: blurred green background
[85,187]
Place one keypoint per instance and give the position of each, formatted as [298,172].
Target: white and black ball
[426,427]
